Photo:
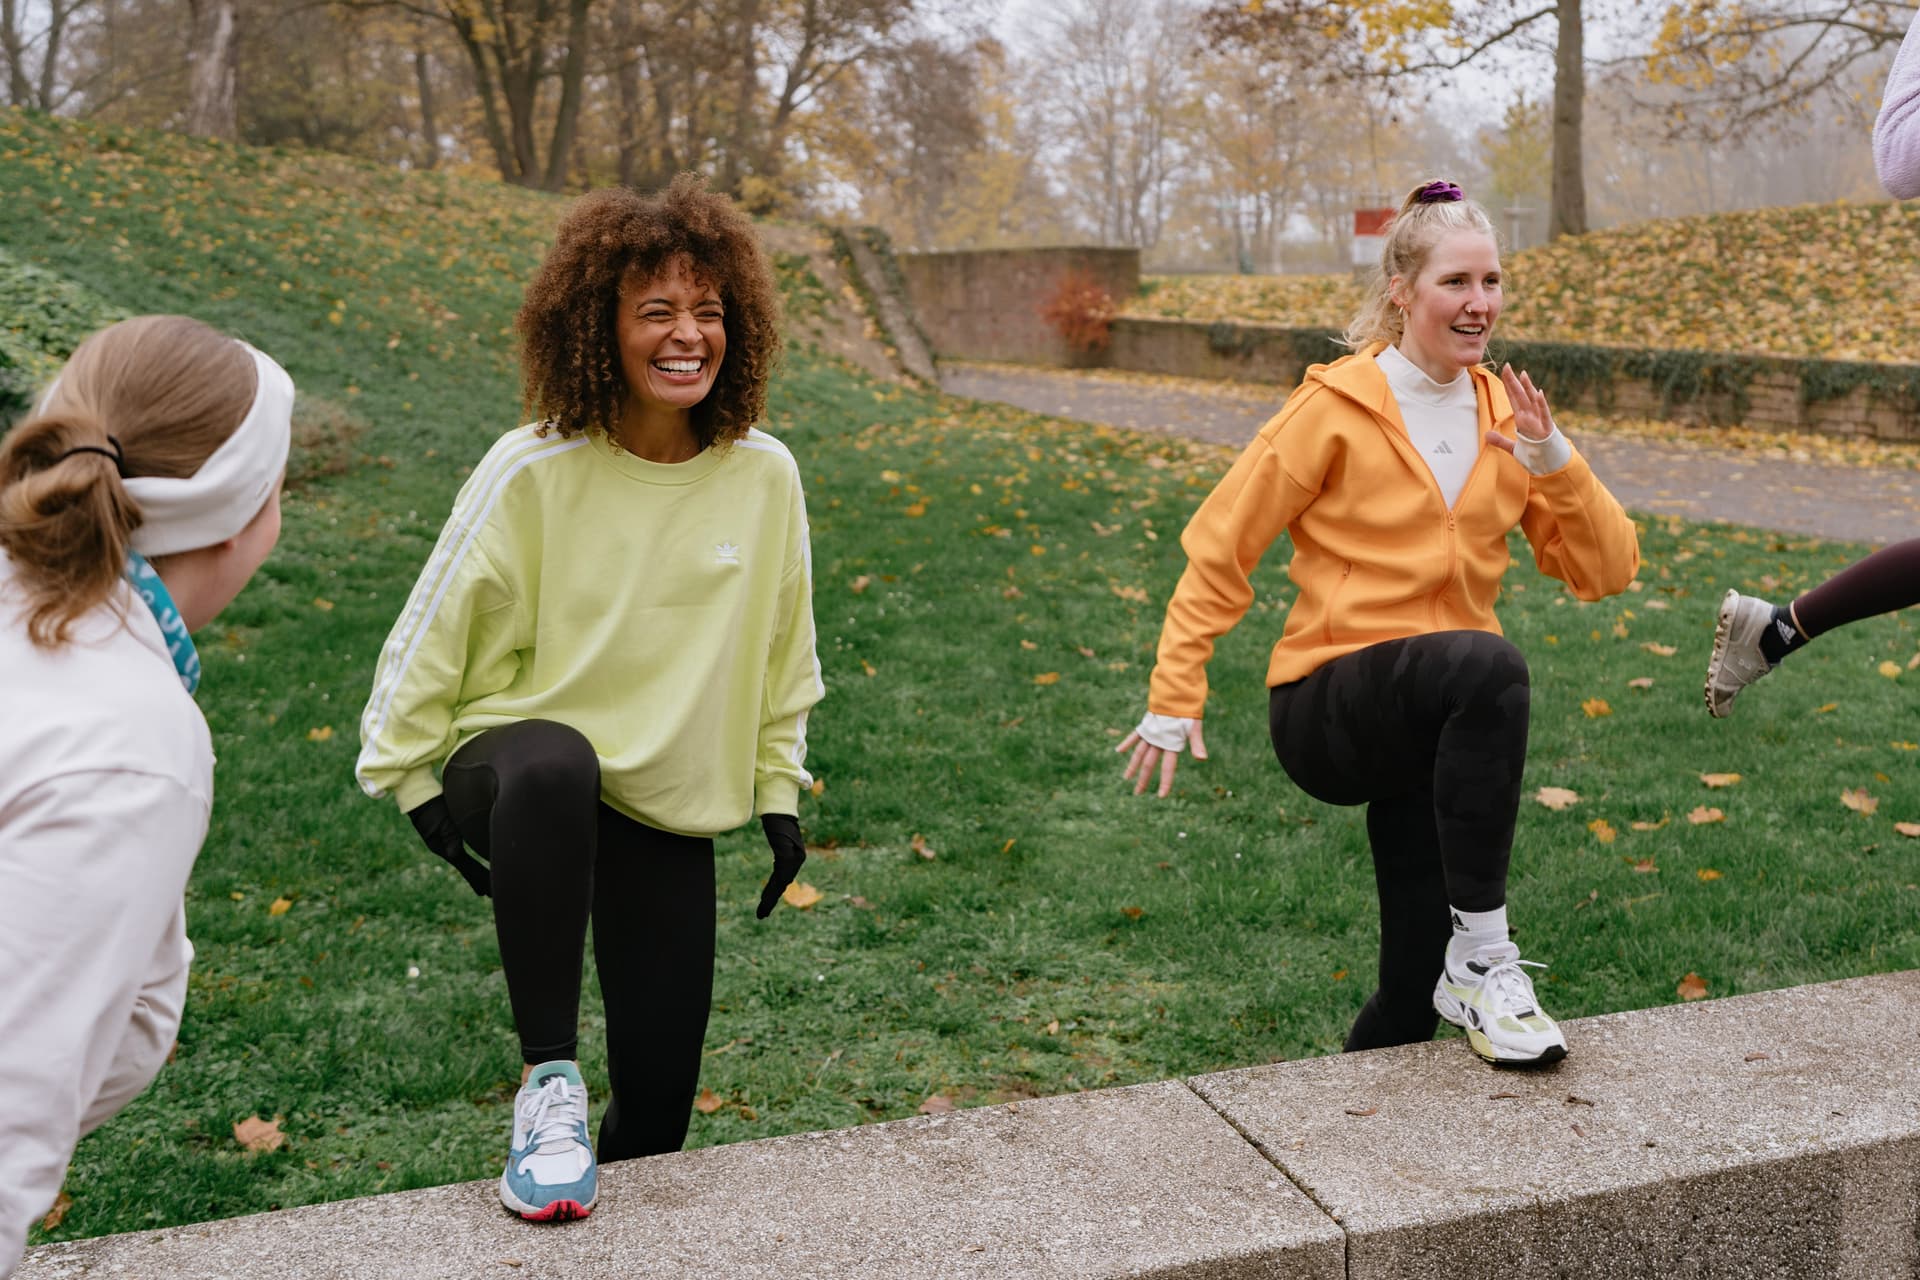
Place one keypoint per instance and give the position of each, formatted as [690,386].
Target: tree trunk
[567,118]
[13,44]
[627,80]
[489,101]
[1569,106]
[214,56]
[429,126]
[57,16]
[746,69]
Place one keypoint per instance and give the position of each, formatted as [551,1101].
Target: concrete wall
[1773,1135]
[1770,398]
[985,304]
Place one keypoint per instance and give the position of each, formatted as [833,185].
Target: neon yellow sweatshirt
[664,611]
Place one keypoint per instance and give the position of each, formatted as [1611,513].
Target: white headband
[227,492]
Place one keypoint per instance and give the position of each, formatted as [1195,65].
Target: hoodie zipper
[1453,568]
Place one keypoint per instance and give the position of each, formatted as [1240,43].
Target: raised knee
[1491,658]
[556,758]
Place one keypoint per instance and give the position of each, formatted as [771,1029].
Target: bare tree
[33,57]
[1761,63]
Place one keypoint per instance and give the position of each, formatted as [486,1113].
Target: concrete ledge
[1146,1181]
[1773,1135]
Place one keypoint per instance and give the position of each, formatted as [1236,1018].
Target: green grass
[1065,935]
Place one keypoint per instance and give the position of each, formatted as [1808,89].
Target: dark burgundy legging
[527,798]
[1888,579]
[1430,733]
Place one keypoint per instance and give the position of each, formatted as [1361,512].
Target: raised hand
[1532,419]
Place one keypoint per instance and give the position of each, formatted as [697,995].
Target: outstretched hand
[789,851]
[1140,764]
[1532,419]
[438,831]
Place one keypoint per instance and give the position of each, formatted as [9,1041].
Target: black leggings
[1430,733]
[526,796]
[1888,579]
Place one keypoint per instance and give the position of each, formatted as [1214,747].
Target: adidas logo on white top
[1444,448]
[725,553]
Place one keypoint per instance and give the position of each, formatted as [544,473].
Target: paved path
[1855,504]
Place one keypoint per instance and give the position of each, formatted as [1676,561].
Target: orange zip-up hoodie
[1377,554]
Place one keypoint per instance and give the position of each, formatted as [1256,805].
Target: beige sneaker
[1737,661]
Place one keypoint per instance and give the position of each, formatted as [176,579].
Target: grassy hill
[1836,281]
[999,919]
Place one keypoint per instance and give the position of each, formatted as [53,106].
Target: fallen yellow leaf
[800,895]
[1640,682]
[61,1204]
[869,668]
[1825,707]
[920,846]
[937,1105]
[1707,873]
[1556,798]
[1719,779]
[1652,826]
[324,606]
[1047,677]
[917,510]
[280,906]
[259,1135]
[1133,913]
[1028,645]
[1891,670]
[1595,708]
[860,583]
[1907,829]
[1692,987]
[1703,815]
[1602,830]
[321,734]
[1859,801]
[1645,866]
[708,1102]
[1659,650]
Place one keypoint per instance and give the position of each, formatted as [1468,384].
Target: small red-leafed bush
[1081,311]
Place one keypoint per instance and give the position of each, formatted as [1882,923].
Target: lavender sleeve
[1896,133]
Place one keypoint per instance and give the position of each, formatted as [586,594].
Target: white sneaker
[1737,661]
[551,1175]
[1491,998]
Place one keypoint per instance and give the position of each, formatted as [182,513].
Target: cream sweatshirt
[106,783]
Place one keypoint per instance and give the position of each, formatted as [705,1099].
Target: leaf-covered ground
[1836,281]
[999,917]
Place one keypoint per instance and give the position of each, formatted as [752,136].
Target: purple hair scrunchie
[1439,193]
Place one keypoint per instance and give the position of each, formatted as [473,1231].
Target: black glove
[434,821]
[789,851]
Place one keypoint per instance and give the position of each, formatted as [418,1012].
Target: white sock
[1475,929]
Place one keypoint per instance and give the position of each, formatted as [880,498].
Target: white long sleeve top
[106,783]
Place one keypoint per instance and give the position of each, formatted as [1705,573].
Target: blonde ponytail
[1429,212]
[151,396]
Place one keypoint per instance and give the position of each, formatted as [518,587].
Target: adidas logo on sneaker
[1459,925]
[1786,632]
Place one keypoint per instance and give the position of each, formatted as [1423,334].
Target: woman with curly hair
[610,658]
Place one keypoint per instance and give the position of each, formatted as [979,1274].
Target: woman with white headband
[135,502]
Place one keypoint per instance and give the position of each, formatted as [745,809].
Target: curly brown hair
[569,349]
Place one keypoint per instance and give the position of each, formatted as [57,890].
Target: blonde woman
[1397,472]
[135,502]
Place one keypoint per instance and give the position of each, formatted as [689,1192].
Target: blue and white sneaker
[1490,997]
[551,1175]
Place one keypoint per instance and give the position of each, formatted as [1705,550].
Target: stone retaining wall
[1772,1135]
[985,305]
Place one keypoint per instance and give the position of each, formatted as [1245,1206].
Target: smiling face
[1452,305]
[673,336]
